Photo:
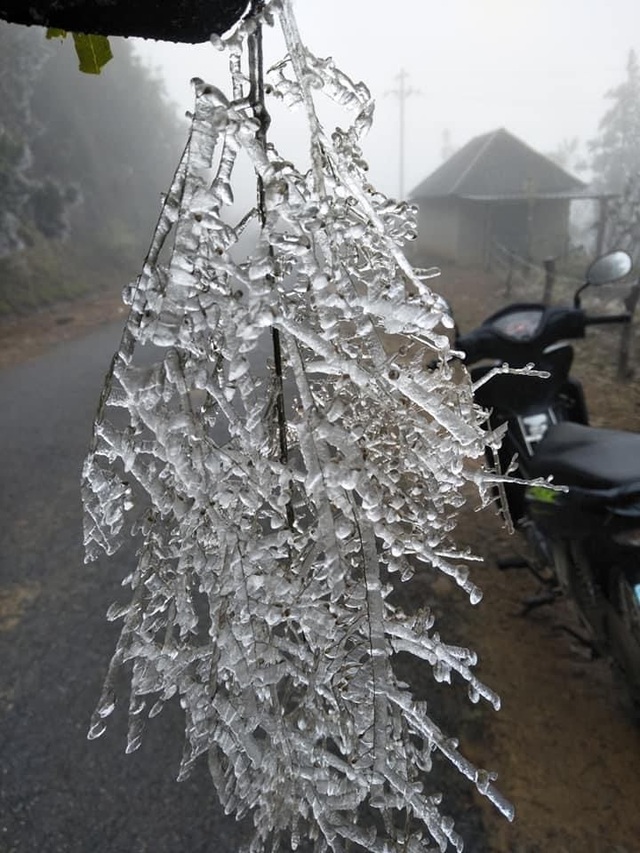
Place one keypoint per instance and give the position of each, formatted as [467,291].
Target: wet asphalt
[59,792]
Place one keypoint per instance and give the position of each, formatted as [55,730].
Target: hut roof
[498,166]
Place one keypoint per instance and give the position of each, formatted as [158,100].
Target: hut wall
[438,228]
[549,229]
[473,233]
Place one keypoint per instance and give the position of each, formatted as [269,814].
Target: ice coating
[277,453]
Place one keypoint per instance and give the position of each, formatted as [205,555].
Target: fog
[540,68]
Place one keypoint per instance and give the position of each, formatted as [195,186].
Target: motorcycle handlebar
[607,318]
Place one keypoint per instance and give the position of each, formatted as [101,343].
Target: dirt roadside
[564,744]
[566,751]
[25,337]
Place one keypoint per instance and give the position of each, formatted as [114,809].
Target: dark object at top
[190,21]
[498,166]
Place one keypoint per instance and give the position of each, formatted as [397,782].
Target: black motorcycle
[585,525]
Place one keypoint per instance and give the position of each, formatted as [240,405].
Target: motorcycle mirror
[609,268]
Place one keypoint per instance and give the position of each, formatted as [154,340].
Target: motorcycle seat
[578,455]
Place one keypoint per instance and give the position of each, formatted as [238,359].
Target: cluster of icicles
[280,458]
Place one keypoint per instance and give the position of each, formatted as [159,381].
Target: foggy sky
[540,68]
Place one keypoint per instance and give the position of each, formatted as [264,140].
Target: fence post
[625,370]
[603,214]
[550,279]
[509,282]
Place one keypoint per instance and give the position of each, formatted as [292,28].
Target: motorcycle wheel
[624,633]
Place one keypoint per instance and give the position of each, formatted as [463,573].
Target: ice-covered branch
[273,491]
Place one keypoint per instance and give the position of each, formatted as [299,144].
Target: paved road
[58,791]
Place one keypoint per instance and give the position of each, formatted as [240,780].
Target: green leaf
[543,494]
[53,33]
[93,52]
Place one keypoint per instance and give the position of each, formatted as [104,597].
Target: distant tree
[115,137]
[567,155]
[615,152]
[623,232]
[81,157]
[26,200]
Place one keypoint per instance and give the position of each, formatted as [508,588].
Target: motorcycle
[579,504]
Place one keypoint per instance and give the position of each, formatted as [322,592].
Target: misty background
[84,159]
[539,68]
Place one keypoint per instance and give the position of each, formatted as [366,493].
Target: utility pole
[402,93]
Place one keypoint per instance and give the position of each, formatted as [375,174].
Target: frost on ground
[271,501]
